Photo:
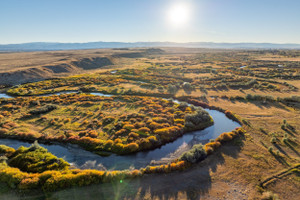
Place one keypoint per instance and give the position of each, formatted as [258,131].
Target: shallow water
[101,94]
[3,95]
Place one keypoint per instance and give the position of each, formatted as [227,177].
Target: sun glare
[179,14]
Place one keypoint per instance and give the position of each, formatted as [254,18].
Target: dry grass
[232,172]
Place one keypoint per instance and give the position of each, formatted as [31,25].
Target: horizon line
[153,42]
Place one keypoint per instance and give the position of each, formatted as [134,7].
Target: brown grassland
[261,164]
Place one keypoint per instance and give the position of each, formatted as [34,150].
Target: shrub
[145,130]
[43,109]
[128,126]
[211,147]
[6,150]
[118,140]
[179,121]
[269,196]
[231,116]
[131,147]
[187,86]
[107,120]
[197,153]
[12,176]
[85,122]
[197,120]
[133,134]
[67,120]
[121,132]
[285,140]
[9,125]
[172,89]
[93,134]
[3,131]
[108,144]
[145,144]
[36,159]
[273,140]
[3,159]
[224,137]
[270,149]
[118,148]
[154,125]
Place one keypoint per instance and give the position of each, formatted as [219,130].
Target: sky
[272,21]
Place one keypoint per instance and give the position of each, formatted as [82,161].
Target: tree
[172,89]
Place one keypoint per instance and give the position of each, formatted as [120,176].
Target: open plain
[261,88]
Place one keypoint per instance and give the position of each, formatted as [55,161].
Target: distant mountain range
[47,46]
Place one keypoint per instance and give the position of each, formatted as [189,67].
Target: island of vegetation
[118,124]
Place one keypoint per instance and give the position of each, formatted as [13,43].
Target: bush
[269,196]
[196,154]
[43,109]
[108,144]
[179,121]
[197,120]
[133,134]
[131,147]
[128,126]
[3,159]
[7,151]
[270,149]
[3,131]
[187,86]
[144,130]
[36,159]
[225,137]
[211,147]
[172,89]
[145,144]
[107,120]
[273,140]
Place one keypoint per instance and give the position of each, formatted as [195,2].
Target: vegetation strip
[279,175]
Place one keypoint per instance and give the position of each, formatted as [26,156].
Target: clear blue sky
[21,21]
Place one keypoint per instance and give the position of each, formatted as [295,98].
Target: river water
[87,160]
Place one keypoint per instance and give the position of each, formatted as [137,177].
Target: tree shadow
[281,150]
[188,91]
[288,132]
[193,183]
[292,148]
[280,159]
[268,105]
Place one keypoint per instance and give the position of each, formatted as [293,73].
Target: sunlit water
[3,95]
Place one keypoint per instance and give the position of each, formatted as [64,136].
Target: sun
[179,15]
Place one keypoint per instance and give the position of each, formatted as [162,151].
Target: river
[83,159]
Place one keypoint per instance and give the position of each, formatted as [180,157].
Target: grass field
[264,93]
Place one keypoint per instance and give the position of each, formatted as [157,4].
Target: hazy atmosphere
[273,21]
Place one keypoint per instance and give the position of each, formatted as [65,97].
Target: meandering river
[87,160]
